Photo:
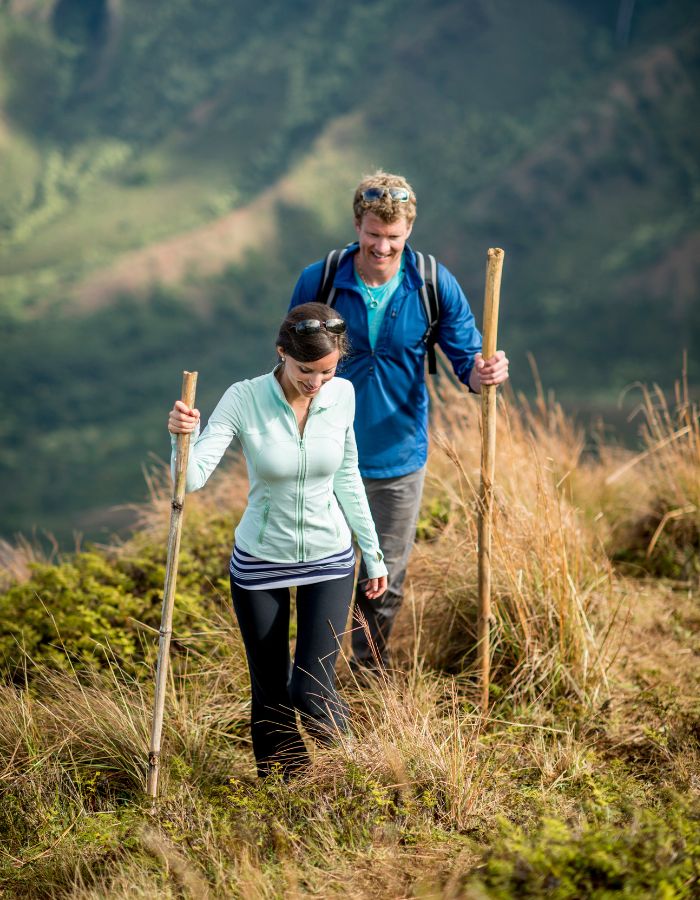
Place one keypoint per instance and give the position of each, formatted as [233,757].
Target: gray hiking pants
[394,504]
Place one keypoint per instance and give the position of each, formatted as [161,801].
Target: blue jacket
[391,420]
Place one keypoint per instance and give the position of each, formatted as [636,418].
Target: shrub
[653,856]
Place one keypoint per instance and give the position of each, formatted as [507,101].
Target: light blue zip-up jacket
[295,482]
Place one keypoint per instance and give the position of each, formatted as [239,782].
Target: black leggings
[263,617]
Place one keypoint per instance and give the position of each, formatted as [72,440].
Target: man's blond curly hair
[385,208]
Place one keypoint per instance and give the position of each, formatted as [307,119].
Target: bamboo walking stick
[189,384]
[494,267]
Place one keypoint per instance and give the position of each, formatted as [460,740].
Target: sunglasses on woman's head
[313,326]
[376,193]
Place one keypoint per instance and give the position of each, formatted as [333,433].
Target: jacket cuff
[193,436]
[374,563]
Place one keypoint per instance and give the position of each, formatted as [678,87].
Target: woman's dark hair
[310,347]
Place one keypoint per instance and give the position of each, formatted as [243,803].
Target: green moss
[352,810]
[64,844]
[657,854]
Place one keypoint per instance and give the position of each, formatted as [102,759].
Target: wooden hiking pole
[189,385]
[494,267]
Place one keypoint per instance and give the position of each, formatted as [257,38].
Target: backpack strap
[326,289]
[428,293]
[429,296]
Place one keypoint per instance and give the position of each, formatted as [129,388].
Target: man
[377,291]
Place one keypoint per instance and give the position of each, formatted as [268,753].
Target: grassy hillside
[582,781]
[213,147]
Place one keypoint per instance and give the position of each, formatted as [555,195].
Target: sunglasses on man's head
[313,326]
[376,193]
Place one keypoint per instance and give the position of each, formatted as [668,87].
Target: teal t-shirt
[377,299]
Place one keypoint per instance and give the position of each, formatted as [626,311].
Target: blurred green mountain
[167,169]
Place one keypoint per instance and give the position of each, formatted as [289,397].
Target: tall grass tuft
[551,582]
[658,531]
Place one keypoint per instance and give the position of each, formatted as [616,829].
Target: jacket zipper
[301,550]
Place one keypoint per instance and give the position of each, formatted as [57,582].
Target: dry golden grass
[551,582]
[594,719]
[645,506]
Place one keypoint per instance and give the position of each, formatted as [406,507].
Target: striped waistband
[250,572]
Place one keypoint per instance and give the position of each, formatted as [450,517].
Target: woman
[295,425]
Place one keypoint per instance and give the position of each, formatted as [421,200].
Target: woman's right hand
[374,587]
[182,418]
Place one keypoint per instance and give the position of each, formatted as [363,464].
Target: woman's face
[304,379]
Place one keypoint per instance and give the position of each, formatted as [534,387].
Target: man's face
[381,246]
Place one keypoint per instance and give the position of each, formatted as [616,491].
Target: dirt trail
[208,249]
[201,252]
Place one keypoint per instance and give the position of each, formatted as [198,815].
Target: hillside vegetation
[212,147]
[582,781]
